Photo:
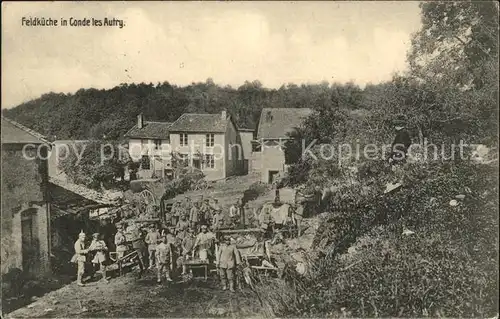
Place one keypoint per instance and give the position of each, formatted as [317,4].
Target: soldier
[139,244]
[194,216]
[205,212]
[176,212]
[228,259]
[218,220]
[182,226]
[152,239]
[80,257]
[188,204]
[187,249]
[99,247]
[400,145]
[204,240]
[163,258]
[120,241]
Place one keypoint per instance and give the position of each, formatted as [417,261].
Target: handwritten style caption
[71,22]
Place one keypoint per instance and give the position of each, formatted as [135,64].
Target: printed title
[71,22]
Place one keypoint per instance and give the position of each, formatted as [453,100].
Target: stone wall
[23,189]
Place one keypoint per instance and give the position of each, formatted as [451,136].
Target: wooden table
[198,265]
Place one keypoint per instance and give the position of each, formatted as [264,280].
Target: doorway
[271,176]
[29,239]
[197,163]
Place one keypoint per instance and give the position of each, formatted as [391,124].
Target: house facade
[274,126]
[149,144]
[208,142]
[25,195]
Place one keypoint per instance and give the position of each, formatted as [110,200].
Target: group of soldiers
[193,214]
[186,234]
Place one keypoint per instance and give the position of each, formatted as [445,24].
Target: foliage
[184,182]
[254,191]
[446,268]
[98,114]
[94,164]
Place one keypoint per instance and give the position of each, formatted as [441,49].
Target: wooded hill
[92,113]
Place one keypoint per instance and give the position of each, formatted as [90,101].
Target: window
[209,161]
[184,139]
[209,140]
[145,162]
[157,144]
[144,142]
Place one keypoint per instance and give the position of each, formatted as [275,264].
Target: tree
[94,164]
[451,89]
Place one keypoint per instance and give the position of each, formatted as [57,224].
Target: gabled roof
[15,133]
[152,130]
[203,123]
[87,193]
[277,122]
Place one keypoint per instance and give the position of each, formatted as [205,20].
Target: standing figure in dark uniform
[400,146]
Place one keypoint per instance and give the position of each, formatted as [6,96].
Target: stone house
[148,143]
[272,132]
[209,142]
[25,195]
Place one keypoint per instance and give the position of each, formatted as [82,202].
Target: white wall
[197,143]
[160,159]
[246,143]
[272,159]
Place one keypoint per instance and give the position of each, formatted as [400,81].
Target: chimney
[140,121]
[224,114]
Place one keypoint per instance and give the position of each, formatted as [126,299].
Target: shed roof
[16,133]
[277,122]
[203,123]
[87,193]
[150,129]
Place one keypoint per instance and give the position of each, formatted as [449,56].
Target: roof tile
[203,123]
[277,122]
[152,130]
[15,133]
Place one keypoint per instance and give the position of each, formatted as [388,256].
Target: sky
[184,42]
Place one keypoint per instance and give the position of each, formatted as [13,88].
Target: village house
[149,144]
[25,195]
[274,126]
[211,143]
[42,211]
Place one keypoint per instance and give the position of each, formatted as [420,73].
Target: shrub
[447,268]
[254,191]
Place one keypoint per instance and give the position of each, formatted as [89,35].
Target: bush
[254,191]
[447,268]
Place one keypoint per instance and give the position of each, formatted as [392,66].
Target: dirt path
[128,296]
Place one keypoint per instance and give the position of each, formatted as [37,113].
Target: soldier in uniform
[182,226]
[80,258]
[176,212]
[152,239]
[163,259]
[194,216]
[98,246]
[228,259]
[120,241]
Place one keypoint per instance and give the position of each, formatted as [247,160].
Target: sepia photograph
[250,159]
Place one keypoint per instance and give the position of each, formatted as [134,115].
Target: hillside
[92,113]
